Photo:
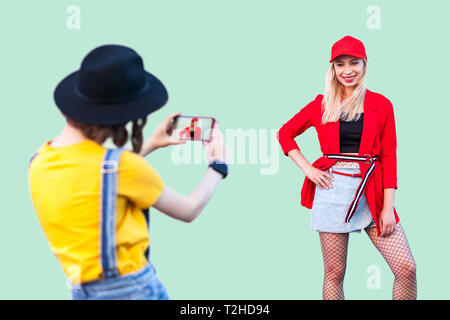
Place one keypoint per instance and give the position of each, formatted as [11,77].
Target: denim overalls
[142,284]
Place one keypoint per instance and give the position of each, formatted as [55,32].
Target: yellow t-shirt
[65,190]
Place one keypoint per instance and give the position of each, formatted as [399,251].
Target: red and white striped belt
[367,159]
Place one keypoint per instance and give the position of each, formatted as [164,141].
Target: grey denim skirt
[330,206]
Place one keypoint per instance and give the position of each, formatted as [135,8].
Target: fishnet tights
[334,251]
[395,250]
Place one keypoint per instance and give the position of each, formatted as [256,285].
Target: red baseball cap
[348,45]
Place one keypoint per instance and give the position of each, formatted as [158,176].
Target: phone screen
[193,128]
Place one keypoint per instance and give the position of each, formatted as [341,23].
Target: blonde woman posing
[351,187]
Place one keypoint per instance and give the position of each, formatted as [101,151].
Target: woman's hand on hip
[387,222]
[161,137]
[319,177]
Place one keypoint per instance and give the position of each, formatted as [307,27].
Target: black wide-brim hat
[110,88]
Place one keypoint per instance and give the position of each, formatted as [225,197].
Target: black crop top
[350,135]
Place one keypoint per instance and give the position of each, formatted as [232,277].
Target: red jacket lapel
[370,125]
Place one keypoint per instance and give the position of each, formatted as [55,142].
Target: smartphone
[192,128]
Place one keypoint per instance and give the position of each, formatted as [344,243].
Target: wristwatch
[220,167]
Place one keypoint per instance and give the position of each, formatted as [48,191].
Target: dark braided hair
[136,136]
[118,133]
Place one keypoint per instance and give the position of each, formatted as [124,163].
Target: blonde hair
[349,108]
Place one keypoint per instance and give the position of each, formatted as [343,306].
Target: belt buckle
[368,158]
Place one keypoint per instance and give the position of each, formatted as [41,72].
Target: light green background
[250,64]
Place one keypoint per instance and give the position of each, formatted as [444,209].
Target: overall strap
[108,199]
[147,218]
[31,159]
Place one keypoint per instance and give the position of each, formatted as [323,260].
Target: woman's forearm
[389,198]
[187,208]
[147,148]
[299,159]
[201,195]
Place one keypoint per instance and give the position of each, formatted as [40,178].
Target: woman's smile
[349,79]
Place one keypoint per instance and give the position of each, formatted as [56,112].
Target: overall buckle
[110,166]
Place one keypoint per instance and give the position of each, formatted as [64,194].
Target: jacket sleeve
[296,126]
[388,156]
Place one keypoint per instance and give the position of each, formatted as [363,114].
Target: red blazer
[187,132]
[378,138]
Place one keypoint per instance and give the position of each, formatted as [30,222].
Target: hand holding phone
[161,137]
